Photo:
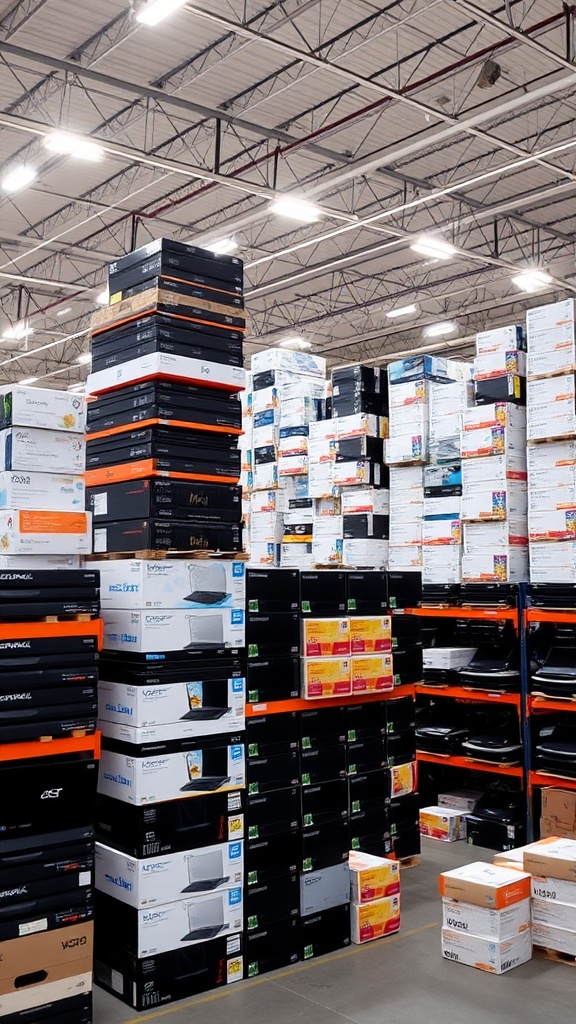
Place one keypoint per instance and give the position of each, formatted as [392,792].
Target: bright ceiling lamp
[19,177]
[155,11]
[85,357]
[28,380]
[436,248]
[294,208]
[104,298]
[18,332]
[67,144]
[297,344]
[532,280]
[439,329]
[223,246]
[401,311]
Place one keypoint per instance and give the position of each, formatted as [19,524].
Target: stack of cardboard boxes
[49,640]
[375,897]
[552,864]
[551,442]
[486,917]
[163,479]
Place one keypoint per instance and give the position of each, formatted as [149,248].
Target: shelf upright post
[524,709]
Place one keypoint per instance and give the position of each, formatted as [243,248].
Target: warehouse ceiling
[454,119]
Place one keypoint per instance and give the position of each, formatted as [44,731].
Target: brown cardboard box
[549,828]
[486,885]
[45,967]
[555,858]
[559,805]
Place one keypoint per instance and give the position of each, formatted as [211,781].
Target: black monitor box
[272,813]
[325,845]
[323,593]
[43,796]
[156,980]
[325,802]
[272,679]
[268,903]
[367,591]
[272,591]
[73,1010]
[268,949]
[404,589]
[171,826]
[266,860]
[272,734]
[325,932]
[271,773]
[494,835]
[367,755]
[366,721]
[370,791]
[370,832]
[323,765]
[272,636]
[322,727]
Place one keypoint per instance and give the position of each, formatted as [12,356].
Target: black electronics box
[324,845]
[21,581]
[158,670]
[172,826]
[196,346]
[24,725]
[268,949]
[400,715]
[267,904]
[494,835]
[43,796]
[272,734]
[46,652]
[164,400]
[506,388]
[54,911]
[403,813]
[271,773]
[74,1010]
[366,525]
[325,932]
[370,791]
[404,589]
[371,379]
[323,593]
[266,860]
[217,453]
[365,721]
[370,832]
[164,331]
[40,871]
[367,755]
[272,679]
[186,300]
[325,802]
[367,592]
[272,591]
[322,728]
[273,813]
[272,636]
[159,498]
[363,447]
[323,764]
[406,843]
[168,255]
[408,667]
[165,535]
[400,748]
[156,980]
[352,403]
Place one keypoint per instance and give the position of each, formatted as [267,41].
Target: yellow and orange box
[372,878]
[326,677]
[375,920]
[371,634]
[325,638]
[372,673]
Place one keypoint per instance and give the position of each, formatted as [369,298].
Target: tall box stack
[50,635]
[163,472]
[423,455]
[245,447]
[359,411]
[552,864]
[552,442]
[494,494]
[375,897]
[500,366]
[486,920]
[288,395]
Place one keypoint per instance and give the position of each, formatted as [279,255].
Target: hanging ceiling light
[294,208]
[18,178]
[441,328]
[401,311]
[532,280]
[67,144]
[430,245]
[156,10]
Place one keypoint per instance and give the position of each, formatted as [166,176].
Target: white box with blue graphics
[171,583]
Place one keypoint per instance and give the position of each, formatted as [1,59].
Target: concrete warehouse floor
[401,979]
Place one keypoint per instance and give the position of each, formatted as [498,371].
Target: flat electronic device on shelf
[493,748]
[440,595]
[205,920]
[556,749]
[491,669]
[560,596]
[440,739]
[557,675]
[205,872]
[501,804]
[488,595]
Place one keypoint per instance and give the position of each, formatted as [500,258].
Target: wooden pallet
[556,955]
[409,862]
[76,734]
[77,617]
[228,556]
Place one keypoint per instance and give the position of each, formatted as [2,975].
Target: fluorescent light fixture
[18,331]
[297,344]
[295,209]
[67,144]
[84,357]
[28,380]
[104,298]
[62,312]
[19,177]
[444,327]
[156,10]
[436,248]
[223,246]
[532,280]
[401,311]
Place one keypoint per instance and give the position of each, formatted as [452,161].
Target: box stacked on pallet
[551,442]
[552,864]
[50,634]
[375,897]
[288,395]
[162,480]
[500,366]
[486,920]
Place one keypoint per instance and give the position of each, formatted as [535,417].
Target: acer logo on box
[51,794]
